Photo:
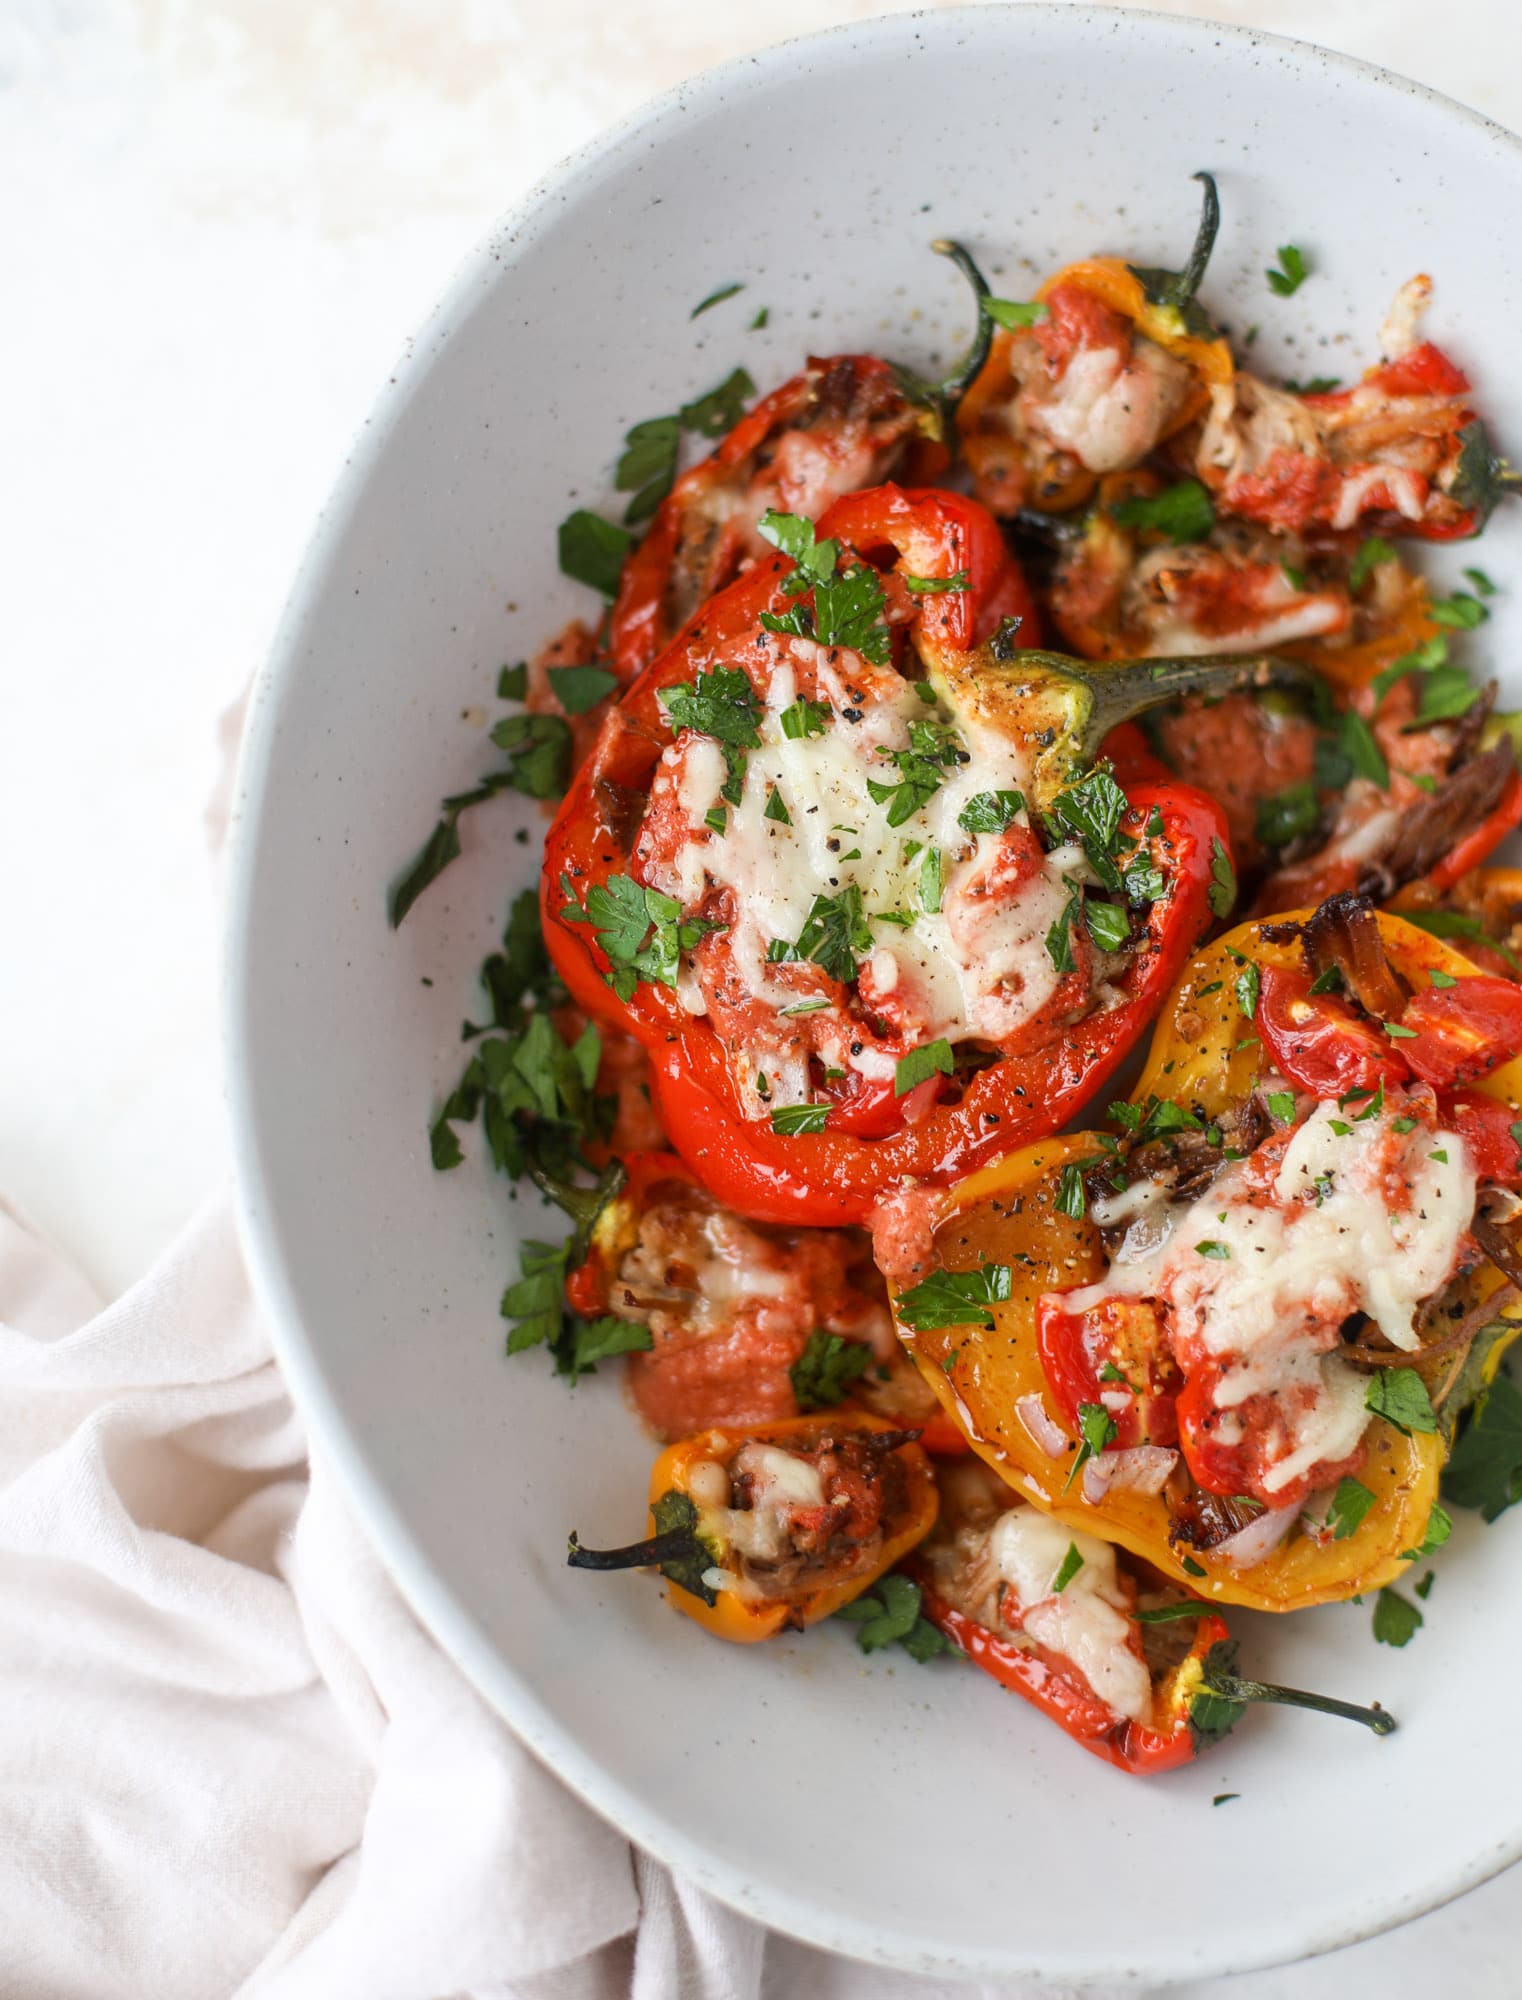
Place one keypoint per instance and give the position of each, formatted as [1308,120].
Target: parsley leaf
[921,768]
[1183,512]
[1209,1247]
[1089,810]
[1281,1105]
[803,718]
[990,812]
[955,1298]
[1396,1620]
[1370,554]
[1288,815]
[1248,985]
[1485,1470]
[1350,1503]
[1223,881]
[775,808]
[1072,1562]
[1109,927]
[722,408]
[935,586]
[934,1059]
[1059,939]
[1447,692]
[592,550]
[1399,1395]
[1356,741]
[813,560]
[823,1373]
[1292,272]
[1461,612]
[647,467]
[848,611]
[579,689]
[641,931]
[1439,1527]
[716,298]
[834,931]
[889,1613]
[1071,1199]
[721,704]
[789,1120]
[1097,1428]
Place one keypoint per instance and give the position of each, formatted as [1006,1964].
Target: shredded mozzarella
[1288,1267]
[1087,1622]
[1109,408]
[977,966]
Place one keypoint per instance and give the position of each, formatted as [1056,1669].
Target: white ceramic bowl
[915,1816]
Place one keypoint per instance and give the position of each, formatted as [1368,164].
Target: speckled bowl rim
[441,1612]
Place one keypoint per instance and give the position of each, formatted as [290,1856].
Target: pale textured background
[220,219]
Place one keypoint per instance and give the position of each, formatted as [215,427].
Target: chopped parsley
[1183,512]
[641,932]
[813,560]
[834,931]
[1439,1528]
[1249,984]
[721,704]
[1356,741]
[1059,938]
[933,745]
[579,689]
[889,1614]
[1288,815]
[1371,554]
[716,298]
[1291,272]
[1399,1395]
[1485,1470]
[592,550]
[1350,1503]
[789,1120]
[1071,1563]
[1281,1105]
[1209,1247]
[647,467]
[775,809]
[935,586]
[1461,612]
[934,1059]
[1109,927]
[823,1373]
[1396,1620]
[1097,1428]
[1071,1199]
[955,1298]
[990,812]
[1223,881]
[722,408]
[803,718]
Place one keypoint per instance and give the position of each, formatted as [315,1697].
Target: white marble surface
[220,220]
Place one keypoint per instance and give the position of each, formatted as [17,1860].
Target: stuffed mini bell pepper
[1141,1676]
[775,1527]
[841,863]
[844,423]
[1108,361]
[1401,452]
[749,1323]
[1234,1332]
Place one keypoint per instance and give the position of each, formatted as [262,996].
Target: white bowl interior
[914,1815]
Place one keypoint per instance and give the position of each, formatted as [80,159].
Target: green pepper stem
[673,1545]
[954,386]
[1193,274]
[582,1204]
[1127,688]
[1232,1687]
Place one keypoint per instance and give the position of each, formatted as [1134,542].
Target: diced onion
[1051,1437]
[1143,1468]
[1262,1535]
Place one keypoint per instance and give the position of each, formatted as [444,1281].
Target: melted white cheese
[1109,409]
[782,1483]
[1327,1243]
[1087,1623]
[976,967]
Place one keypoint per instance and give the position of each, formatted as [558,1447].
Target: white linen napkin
[232,1762]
